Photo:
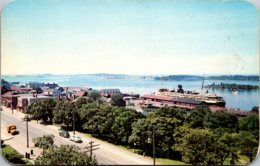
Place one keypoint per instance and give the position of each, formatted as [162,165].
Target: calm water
[244,100]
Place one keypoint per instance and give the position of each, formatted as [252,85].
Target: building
[58,92]
[109,92]
[51,86]
[24,100]
[9,100]
[80,93]
[19,90]
[161,101]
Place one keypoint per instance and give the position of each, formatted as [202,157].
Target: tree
[248,144]
[63,113]
[65,155]
[121,123]
[42,109]
[196,117]
[117,100]
[250,123]
[221,120]
[227,146]
[45,142]
[142,133]
[81,101]
[48,106]
[97,119]
[197,146]
[94,95]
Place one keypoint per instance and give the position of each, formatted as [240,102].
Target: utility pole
[27,132]
[73,121]
[90,148]
[153,146]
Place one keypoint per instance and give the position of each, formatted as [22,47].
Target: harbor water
[243,100]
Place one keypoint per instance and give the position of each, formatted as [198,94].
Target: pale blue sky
[131,37]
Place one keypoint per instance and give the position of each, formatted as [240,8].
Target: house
[47,91]
[109,92]
[51,86]
[58,92]
[80,93]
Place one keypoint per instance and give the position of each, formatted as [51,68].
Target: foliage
[65,155]
[63,113]
[117,100]
[248,144]
[232,86]
[42,109]
[197,146]
[112,123]
[221,120]
[121,126]
[44,142]
[81,101]
[94,95]
[142,134]
[195,118]
[12,155]
[96,118]
[250,123]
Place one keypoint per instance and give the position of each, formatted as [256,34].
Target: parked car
[64,133]
[75,138]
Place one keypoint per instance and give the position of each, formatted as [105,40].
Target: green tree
[81,101]
[248,144]
[117,100]
[63,113]
[221,120]
[97,119]
[48,106]
[196,117]
[45,142]
[250,123]
[94,95]
[227,146]
[42,109]
[197,146]
[142,133]
[122,122]
[65,155]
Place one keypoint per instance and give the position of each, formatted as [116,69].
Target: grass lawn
[13,156]
[241,161]
[164,161]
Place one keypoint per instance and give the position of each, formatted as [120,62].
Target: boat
[209,99]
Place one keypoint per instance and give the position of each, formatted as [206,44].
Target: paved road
[108,154]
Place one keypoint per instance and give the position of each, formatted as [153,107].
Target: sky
[129,37]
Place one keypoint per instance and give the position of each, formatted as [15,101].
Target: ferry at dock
[209,99]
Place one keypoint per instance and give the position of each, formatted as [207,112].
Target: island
[232,86]
[196,77]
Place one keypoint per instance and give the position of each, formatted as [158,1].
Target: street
[107,154]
